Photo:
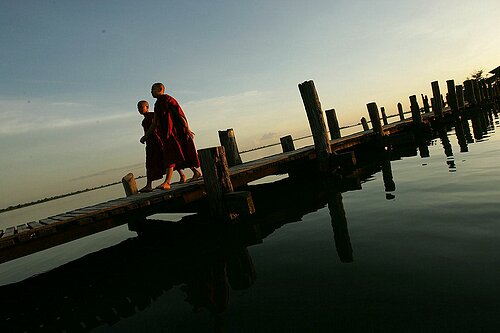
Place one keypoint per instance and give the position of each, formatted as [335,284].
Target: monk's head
[157,89]
[143,107]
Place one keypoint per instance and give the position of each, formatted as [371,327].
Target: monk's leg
[196,174]
[182,176]
[168,177]
[148,187]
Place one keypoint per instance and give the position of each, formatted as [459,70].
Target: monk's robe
[179,150]
[155,166]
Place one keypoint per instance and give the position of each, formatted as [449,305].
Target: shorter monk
[155,166]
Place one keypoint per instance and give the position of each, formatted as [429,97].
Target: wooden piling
[469,94]
[452,96]
[217,180]
[477,93]
[129,184]
[400,111]
[438,101]
[375,117]
[228,141]
[287,143]
[314,113]
[333,124]
[415,111]
[425,101]
[364,123]
[460,96]
[384,116]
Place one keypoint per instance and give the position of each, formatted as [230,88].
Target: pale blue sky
[71,73]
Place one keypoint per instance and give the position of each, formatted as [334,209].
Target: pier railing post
[400,111]
[384,116]
[460,96]
[129,184]
[364,123]
[287,143]
[415,111]
[228,141]
[224,204]
[469,94]
[314,113]
[452,96]
[375,118]
[437,107]
[333,124]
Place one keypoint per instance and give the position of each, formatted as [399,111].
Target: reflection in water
[339,225]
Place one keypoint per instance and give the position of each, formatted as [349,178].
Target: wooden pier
[223,195]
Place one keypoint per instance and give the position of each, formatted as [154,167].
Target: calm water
[423,257]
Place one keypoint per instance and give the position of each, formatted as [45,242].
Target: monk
[170,122]
[155,167]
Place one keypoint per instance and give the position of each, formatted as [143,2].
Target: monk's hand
[190,133]
[143,139]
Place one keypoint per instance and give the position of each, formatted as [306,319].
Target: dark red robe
[179,150]
[155,166]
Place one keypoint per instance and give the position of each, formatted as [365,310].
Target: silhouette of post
[400,111]
[452,96]
[437,107]
[364,123]
[415,111]
[287,143]
[228,141]
[339,226]
[333,124]
[384,116]
[469,94]
[314,113]
[460,96]
[375,118]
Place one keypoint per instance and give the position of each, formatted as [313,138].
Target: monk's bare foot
[146,189]
[196,175]
[183,179]
[164,186]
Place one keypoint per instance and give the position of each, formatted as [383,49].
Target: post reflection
[339,226]
[460,133]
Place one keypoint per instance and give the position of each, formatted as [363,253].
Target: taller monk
[179,151]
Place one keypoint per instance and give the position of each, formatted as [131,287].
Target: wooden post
[415,111]
[217,180]
[374,117]
[333,124]
[400,111]
[425,101]
[438,101]
[364,123]
[460,96]
[384,116]
[287,143]
[314,113]
[129,184]
[469,95]
[228,141]
[452,96]
[477,93]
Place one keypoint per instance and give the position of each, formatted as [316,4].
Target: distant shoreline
[59,196]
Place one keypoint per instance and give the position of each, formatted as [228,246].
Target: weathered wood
[333,124]
[239,202]
[460,96]
[374,118]
[401,112]
[438,100]
[129,184]
[415,111]
[425,103]
[217,180]
[452,96]
[364,123]
[384,116]
[9,232]
[228,141]
[314,113]
[287,143]
[477,93]
[469,93]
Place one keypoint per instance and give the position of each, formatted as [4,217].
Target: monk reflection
[208,287]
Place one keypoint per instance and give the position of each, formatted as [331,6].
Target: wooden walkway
[34,236]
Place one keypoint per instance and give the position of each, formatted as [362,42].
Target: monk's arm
[150,129]
[184,123]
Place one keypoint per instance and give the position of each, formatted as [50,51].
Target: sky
[71,73]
